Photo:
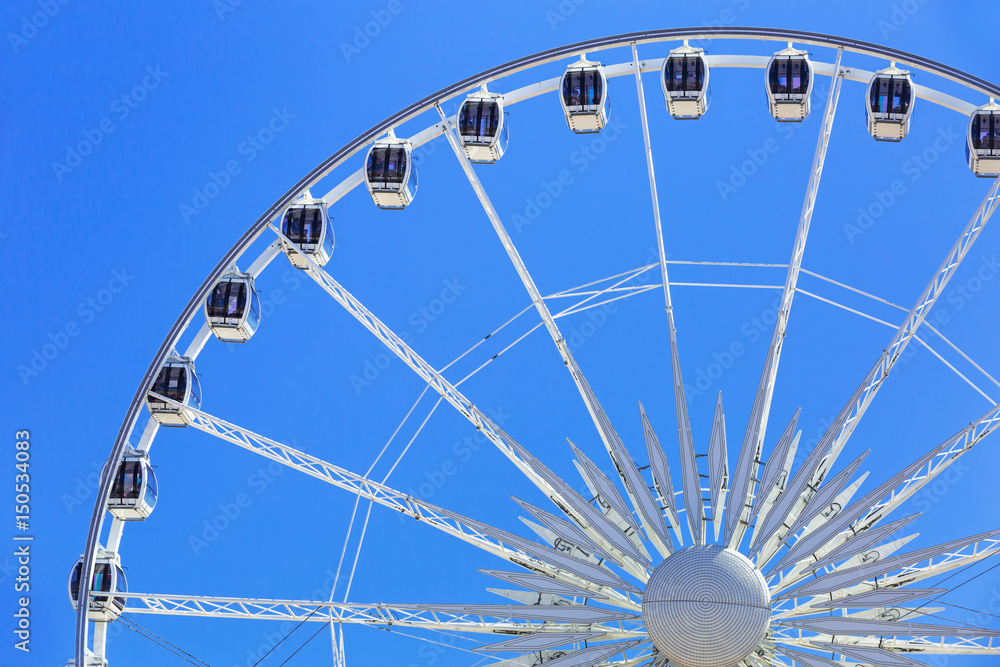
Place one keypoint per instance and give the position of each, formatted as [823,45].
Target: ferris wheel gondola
[233,308]
[982,148]
[108,580]
[390,174]
[133,494]
[584,96]
[890,104]
[482,127]
[178,382]
[684,78]
[789,83]
[307,224]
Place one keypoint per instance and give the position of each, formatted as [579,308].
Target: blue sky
[101,251]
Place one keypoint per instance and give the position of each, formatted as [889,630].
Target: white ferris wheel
[771,556]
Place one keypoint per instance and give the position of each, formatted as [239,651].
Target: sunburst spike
[565,531]
[649,514]
[809,660]
[718,465]
[862,627]
[661,473]
[820,520]
[601,486]
[541,583]
[822,499]
[780,513]
[585,656]
[895,613]
[538,641]
[779,462]
[796,575]
[861,542]
[870,654]
[532,598]
[593,522]
[842,578]
[588,572]
[813,542]
[879,598]
[842,500]
[561,544]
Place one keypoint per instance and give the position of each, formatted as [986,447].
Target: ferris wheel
[777,559]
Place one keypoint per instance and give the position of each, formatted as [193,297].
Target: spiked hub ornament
[706,606]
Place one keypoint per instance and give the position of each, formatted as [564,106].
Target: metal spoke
[739,502]
[893,646]
[879,503]
[490,619]
[499,543]
[689,467]
[836,437]
[609,436]
[449,392]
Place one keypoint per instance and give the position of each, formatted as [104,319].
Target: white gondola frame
[241,328]
[478,149]
[392,196]
[984,163]
[789,107]
[585,118]
[165,414]
[321,251]
[108,606]
[138,508]
[887,126]
[684,105]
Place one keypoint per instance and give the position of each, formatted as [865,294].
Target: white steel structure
[765,562]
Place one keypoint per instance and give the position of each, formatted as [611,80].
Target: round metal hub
[706,606]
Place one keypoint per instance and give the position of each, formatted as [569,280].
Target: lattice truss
[839,585]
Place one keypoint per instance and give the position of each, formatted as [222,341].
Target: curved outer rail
[338,158]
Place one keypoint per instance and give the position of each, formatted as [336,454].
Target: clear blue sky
[100,254]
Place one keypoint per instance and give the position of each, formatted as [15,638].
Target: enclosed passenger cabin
[584,96]
[133,493]
[108,579]
[307,225]
[178,382]
[482,127]
[789,83]
[890,104]
[982,148]
[390,174]
[233,308]
[684,78]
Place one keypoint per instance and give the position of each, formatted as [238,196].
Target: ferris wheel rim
[427,103]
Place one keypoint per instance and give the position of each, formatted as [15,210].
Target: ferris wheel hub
[706,606]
